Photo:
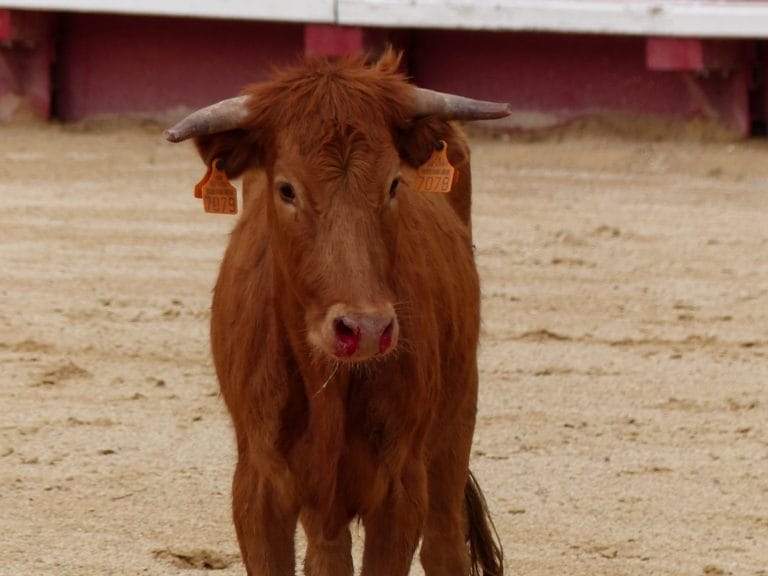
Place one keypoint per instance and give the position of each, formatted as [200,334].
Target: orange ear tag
[219,196]
[436,174]
[203,182]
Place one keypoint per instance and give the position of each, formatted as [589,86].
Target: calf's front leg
[265,523]
[325,557]
[393,529]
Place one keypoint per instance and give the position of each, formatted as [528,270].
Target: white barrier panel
[318,11]
[693,18]
[703,18]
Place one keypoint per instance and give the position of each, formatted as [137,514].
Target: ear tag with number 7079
[218,194]
[436,174]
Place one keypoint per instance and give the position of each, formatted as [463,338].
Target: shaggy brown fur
[320,440]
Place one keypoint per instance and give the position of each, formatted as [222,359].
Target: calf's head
[338,142]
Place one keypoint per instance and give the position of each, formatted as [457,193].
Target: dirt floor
[623,421]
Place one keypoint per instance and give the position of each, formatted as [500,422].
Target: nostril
[344,328]
[386,338]
[347,336]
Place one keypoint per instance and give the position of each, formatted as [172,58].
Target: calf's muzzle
[357,335]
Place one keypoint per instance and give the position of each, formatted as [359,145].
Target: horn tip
[502,110]
[172,135]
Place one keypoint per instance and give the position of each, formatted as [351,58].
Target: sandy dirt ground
[623,421]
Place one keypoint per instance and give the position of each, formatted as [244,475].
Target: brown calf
[345,323]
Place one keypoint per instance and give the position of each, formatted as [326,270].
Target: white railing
[695,18]
[710,18]
[319,11]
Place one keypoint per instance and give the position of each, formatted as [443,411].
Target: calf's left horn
[220,117]
[452,107]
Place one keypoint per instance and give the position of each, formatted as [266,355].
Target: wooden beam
[692,18]
[282,11]
[702,18]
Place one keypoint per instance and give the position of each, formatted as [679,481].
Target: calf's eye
[287,193]
[393,187]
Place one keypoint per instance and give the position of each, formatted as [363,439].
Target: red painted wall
[26,54]
[118,65]
[144,65]
[564,75]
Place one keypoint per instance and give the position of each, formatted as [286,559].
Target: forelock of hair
[349,91]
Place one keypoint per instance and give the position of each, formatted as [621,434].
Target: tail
[485,551]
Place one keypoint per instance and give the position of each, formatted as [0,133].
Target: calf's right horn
[225,115]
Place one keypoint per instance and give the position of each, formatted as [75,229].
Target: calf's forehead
[332,151]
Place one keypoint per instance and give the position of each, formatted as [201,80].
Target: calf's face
[333,216]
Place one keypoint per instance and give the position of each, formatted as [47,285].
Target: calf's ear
[417,141]
[239,149]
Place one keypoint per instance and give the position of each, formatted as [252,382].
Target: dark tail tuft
[485,549]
